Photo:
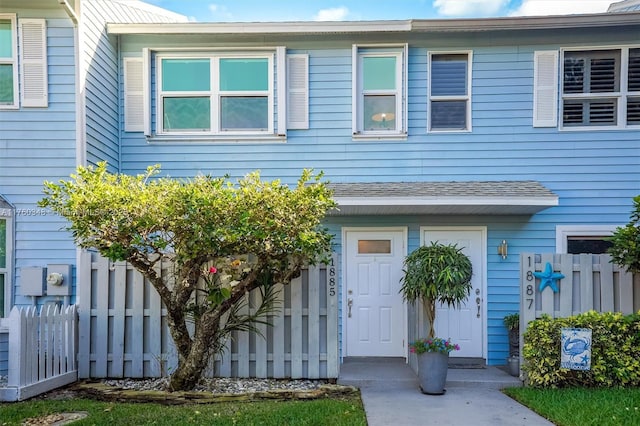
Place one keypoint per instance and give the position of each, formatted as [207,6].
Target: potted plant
[435,273]
[512,322]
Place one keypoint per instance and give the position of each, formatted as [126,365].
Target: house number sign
[331,282]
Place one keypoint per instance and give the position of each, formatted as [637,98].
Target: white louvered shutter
[545,89]
[133,95]
[33,63]
[297,91]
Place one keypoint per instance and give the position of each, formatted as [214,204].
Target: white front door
[465,325]
[374,313]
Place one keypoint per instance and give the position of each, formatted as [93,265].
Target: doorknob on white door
[349,304]
[478,304]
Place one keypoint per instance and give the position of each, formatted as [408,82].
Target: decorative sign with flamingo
[576,348]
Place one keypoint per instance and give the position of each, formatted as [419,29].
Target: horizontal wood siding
[38,144]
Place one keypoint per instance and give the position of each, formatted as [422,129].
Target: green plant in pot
[512,322]
[435,273]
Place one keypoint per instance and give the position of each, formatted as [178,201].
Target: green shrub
[615,351]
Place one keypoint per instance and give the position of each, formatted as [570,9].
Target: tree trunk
[429,308]
[191,366]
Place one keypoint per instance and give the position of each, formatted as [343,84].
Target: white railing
[42,351]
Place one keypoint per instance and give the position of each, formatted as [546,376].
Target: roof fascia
[447,201]
[414,25]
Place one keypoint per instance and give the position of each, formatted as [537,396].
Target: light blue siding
[38,144]
[594,173]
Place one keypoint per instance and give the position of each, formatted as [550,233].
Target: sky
[358,10]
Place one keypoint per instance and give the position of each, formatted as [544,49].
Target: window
[379,96]
[6,233]
[8,62]
[601,88]
[450,92]
[215,94]
[577,239]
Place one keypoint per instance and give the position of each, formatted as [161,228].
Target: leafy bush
[615,351]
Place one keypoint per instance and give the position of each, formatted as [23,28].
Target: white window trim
[13,60]
[621,96]
[565,231]
[466,98]
[8,215]
[357,97]
[214,93]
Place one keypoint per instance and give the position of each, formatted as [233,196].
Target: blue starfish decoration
[548,278]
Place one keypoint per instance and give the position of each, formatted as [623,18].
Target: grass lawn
[343,411]
[582,407]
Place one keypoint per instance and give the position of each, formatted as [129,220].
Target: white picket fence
[42,349]
[123,328]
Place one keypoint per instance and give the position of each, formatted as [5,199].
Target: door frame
[483,245]
[343,294]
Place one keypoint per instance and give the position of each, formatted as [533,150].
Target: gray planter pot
[432,372]
[513,364]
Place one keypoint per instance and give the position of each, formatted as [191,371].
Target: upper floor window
[8,62]
[379,96]
[215,94]
[601,88]
[450,92]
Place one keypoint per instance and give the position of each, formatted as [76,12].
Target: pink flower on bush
[213,270]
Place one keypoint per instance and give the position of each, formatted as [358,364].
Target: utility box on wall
[32,281]
[58,280]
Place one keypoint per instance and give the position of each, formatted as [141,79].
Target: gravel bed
[220,385]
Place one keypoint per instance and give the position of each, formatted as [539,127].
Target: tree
[626,241]
[223,240]
[436,273]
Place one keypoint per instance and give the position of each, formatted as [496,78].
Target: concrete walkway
[391,396]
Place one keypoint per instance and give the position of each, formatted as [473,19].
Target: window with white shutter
[545,89]
[8,62]
[33,66]
[297,91]
[594,92]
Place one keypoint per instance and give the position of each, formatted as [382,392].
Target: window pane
[449,115]
[186,74]
[3,243]
[590,112]
[187,114]
[634,70]
[592,71]
[379,73]
[244,74]
[374,246]
[241,113]
[449,75]
[6,84]
[578,245]
[6,40]
[379,112]
[633,111]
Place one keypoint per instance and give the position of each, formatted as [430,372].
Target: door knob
[478,304]
[349,304]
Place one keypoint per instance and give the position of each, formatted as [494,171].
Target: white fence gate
[123,328]
[42,349]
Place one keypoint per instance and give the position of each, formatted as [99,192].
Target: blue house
[503,135]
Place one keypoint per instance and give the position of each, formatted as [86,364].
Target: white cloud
[469,7]
[560,7]
[219,12]
[332,14]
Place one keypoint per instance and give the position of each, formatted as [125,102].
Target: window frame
[7,214]
[13,61]
[563,232]
[214,93]
[621,96]
[400,53]
[435,98]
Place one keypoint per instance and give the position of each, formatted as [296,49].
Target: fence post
[15,347]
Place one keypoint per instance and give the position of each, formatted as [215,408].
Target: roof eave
[406,26]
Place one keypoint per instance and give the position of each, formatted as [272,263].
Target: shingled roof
[474,197]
